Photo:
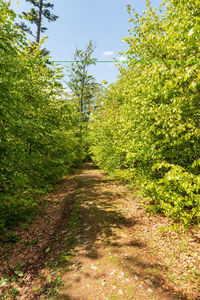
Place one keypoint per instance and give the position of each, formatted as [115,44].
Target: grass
[114,259]
[131,292]
[171,277]
[31,243]
[9,238]
[153,272]
[113,297]
[63,262]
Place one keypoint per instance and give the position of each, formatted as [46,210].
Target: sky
[105,22]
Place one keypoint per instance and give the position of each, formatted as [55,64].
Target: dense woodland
[144,128]
[41,132]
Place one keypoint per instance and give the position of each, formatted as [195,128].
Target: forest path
[90,244]
[108,261]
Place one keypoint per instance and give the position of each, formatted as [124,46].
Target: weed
[10,294]
[54,286]
[153,272]
[114,259]
[70,240]
[4,281]
[113,297]
[14,292]
[171,277]
[107,241]
[9,238]
[31,243]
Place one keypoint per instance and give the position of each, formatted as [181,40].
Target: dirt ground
[94,240]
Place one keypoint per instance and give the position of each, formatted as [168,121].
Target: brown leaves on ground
[95,241]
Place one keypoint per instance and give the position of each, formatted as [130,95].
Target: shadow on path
[99,222]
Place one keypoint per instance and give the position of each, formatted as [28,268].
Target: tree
[146,127]
[39,126]
[35,16]
[81,83]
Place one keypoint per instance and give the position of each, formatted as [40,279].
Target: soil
[94,240]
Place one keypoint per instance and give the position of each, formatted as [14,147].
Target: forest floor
[94,240]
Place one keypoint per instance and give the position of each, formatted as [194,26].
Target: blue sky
[103,21]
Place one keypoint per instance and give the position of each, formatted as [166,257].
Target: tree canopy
[40,10]
[39,133]
[81,83]
[146,128]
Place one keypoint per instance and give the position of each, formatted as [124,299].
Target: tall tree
[81,83]
[40,10]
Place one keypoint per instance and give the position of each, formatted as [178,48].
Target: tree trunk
[82,88]
[39,22]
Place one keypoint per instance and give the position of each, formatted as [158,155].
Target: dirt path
[94,241]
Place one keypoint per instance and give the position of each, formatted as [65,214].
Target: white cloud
[108,53]
[122,58]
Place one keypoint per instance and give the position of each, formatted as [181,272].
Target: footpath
[94,240]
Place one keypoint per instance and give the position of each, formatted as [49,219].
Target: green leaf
[4,281]
[19,273]
[47,250]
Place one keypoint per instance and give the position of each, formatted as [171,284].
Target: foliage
[146,126]
[81,83]
[40,138]
[35,17]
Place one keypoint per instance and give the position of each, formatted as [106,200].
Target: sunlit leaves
[149,119]
[39,125]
